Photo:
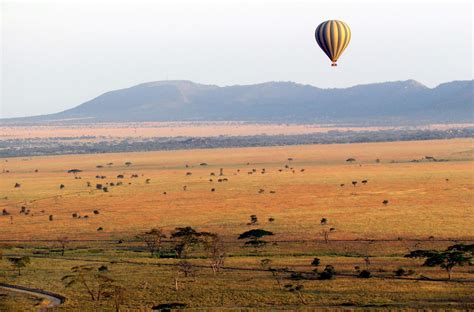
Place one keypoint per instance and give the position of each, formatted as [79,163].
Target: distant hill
[397,102]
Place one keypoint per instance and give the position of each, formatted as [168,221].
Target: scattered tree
[95,283]
[455,255]
[74,171]
[328,273]
[216,252]
[19,262]
[187,238]
[253,220]
[153,240]
[297,290]
[63,241]
[254,237]
[266,264]
[316,262]
[365,274]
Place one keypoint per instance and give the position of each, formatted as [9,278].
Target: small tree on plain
[266,264]
[455,255]
[216,252]
[186,238]
[152,240]
[74,171]
[328,273]
[297,290]
[253,220]
[63,241]
[19,263]
[95,283]
[315,262]
[254,237]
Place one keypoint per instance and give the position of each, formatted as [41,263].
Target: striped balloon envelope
[333,36]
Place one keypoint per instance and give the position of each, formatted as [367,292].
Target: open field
[430,206]
[187,129]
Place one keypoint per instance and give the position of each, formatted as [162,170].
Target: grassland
[187,129]
[430,206]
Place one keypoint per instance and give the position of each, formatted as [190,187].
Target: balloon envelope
[333,36]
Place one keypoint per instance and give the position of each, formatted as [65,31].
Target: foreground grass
[150,284]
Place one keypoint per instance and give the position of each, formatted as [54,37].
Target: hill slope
[389,102]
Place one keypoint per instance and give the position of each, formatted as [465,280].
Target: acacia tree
[95,283]
[19,262]
[186,238]
[74,171]
[254,237]
[152,240]
[455,255]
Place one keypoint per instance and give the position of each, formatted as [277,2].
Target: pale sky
[58,54]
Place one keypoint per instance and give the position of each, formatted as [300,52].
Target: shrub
[328,273]
[364,274]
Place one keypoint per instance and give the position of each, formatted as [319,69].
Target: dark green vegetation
[92,144]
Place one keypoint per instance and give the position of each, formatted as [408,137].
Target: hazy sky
[58,54]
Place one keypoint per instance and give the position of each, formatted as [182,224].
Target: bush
[400,272]
[315,262]
[328,273]
[103,268]
[364,274]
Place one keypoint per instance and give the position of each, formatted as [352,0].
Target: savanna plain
[331,227]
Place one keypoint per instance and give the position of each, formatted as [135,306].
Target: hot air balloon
[333,36]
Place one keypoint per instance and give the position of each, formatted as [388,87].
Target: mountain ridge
[275,101]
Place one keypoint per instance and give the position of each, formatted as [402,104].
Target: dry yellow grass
[174,129]
[422,202]
[425,199]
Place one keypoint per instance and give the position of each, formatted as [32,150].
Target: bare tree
[266,264]
[186,269]
[297,290]
[325,231]
[63,241]
[216,252]
[118,294]
[95,283]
